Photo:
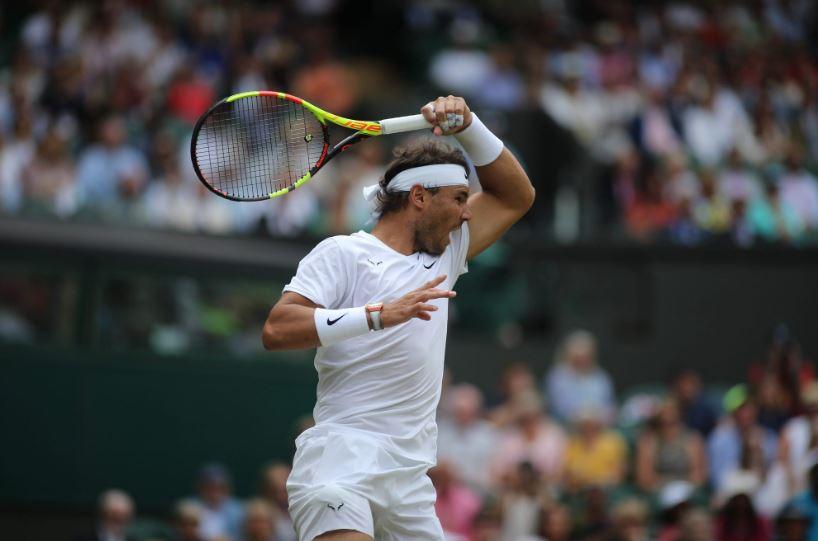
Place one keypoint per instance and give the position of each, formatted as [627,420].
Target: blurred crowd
[697,121]
[565,459]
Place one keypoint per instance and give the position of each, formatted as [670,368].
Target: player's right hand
[415,303]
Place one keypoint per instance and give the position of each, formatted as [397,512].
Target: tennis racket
[260,145]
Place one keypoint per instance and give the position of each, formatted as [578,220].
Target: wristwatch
[374,313]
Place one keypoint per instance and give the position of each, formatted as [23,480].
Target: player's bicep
[490,219]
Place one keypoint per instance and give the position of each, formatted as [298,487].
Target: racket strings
[255,146]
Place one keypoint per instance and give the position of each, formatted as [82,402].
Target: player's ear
[417,196]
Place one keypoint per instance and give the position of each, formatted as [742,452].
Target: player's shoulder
[337,245]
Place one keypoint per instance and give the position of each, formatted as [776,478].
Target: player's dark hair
[407,157]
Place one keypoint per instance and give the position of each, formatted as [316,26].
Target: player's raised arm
[295,322]
[507,192]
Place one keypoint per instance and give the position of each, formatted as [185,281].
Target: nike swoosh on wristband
[334,321]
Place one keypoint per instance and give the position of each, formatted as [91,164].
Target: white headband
[428,176]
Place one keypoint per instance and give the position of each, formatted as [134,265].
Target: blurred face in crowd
[746,415]
[116,511]
[466,404]
[274,487]
[213,492]
[517,380]
[259,523]
[688,386]
[630,521]
[187,523]
[696,525]
[556,525]
[668,415]
[581,353]
[793,529]
[112,132]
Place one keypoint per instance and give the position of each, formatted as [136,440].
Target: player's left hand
[449,115]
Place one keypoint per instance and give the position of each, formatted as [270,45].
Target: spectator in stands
[48,180]
[807,502]
[456,504]
[799,189]
[576,383]
[596,455]
[274,492]
[649,212]
[556,523]
[698,412]
[259,522]
[675,499]
[792,523]
[522,502]
[222,514]
[800,441]
[516,381]
[738,519]
[711,211]
[466,440]
[534,438]
[630,520]
[16,152]
[669,451]
[110,171]
[771,218]
[697,525]
[116,512]
[773,407]
[739,443]
[187,521]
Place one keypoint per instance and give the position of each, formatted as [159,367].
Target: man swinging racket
[376,307]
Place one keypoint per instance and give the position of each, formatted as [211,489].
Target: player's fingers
[440,111]
[437,294]
[428,112]
[423,315]
[422,307]
[432,283]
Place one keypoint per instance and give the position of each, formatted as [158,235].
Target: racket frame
[363,130]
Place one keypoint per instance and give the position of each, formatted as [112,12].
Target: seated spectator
[222,514]
[649,213]
[274,492]
[116,512]
[522,502]
[466,440]
[517,380]
[739,442]
[773,407]
[456,505]
[800,441]
[596,455]
[711,211]
[576,382]
[669,451]
[674,500]
[48,180]
[793,523]
[737,182]
[799,189]
[738,519]
[630,520]
[259,522]
[698,413]
[807,501]
[697,525]
[773,219]
[534,438]
[110,172]
[187,521]
[556,524]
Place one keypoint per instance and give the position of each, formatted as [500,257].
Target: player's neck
[396,233]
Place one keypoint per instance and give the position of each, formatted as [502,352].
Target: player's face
[447,211]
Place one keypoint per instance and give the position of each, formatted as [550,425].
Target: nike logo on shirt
[334,321]
[432,264]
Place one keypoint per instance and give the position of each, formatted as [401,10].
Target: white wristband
[335,326]
[482,146]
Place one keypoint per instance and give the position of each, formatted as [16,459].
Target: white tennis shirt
[386,383]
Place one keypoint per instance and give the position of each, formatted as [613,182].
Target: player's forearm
[505,179]
[290,326]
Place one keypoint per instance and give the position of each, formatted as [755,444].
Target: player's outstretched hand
[449,115]
[415,303]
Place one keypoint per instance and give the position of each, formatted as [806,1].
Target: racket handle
[404,123]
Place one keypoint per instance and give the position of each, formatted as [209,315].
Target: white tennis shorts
[346,480]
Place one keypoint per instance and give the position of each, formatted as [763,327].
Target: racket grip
[404,123]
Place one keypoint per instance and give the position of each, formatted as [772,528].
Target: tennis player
[376,307]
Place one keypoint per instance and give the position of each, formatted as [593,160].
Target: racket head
[258,145]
